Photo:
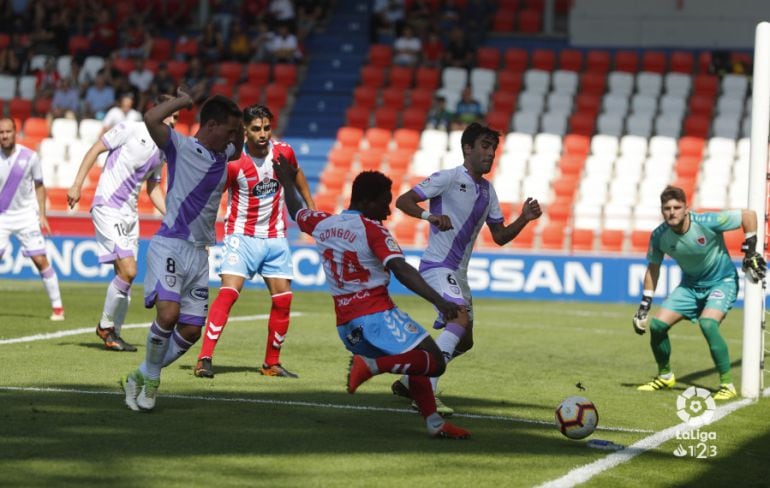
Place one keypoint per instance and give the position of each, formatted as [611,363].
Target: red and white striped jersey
[256,205]
[355,251]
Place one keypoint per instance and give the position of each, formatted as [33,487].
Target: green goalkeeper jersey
[701,251]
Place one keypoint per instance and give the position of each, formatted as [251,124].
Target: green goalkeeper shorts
[691,301]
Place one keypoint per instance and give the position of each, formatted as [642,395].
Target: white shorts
[117,235]
[26,228]
[452,285]
[178,271]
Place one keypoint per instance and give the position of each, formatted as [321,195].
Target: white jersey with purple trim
[18,174]
[196,180]
[133,158]
[468,204]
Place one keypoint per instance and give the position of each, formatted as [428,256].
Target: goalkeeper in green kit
[709,284]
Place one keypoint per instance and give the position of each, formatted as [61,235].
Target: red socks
[277,327]
[422,394]
[217,319]
[414,362]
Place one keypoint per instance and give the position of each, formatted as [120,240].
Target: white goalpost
[754,293]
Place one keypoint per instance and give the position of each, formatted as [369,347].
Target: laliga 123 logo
[695,406]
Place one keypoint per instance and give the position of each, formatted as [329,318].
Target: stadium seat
[654,61]
[554,123]
[77,45]
[186,46]
[421,99]
[691,146]
[365,96]
[611,240]
[644,104]
[161,49]
[552,236]
[667,125]
[377,138]
[529,21]
[7,87]
[427,78]
[386,118]
[407,139]
[597,61]
[544,59]
[35,127]
[626,61]
[706,85]
[400,77]
[582,123]
[620,83]
[593,83]
[371,159]
[503,101]
[649,83]
[576,144]
[454,79]
[565,82]
[559,210]
[571,60]
[276,97]
[510,81]
[393,98]
[516,59]
[350,137]
[682,62]
[231,71]
[697,126]
[640,239]
[177,69]
[582,240]
[248,94]
[341,157]
[678,84]
[285,74]
[357,116]
[258,74]
[526,122]
[503,21]
[488,57]
[399,161]
[498,120]
[380,55]
[610,124]
[525,239]
[537,81]
[372,76]
[226,90]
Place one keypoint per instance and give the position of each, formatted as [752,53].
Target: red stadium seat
[529,21]
[706,85]
[571,60]
[123,65]
[350,137]
[640,239]
[407,139]
[401,77]
[704,62]
[552,236]
[5,39]
[393,98]
[421,99]
[177,69]
[510,81]
[511,5]
[576,144]
[687,167]
[538,5]
[503,100]
[583,124]
[691,146]
[248,94]
[701,105]
[371,159]
[499,120]
[560,210]
[570,166]
[386,118]
[611,240]
[78,44]
[503,21]
[414,118]
[654,61]
[593,82]
[516,59]
[682,62]
[399,160]
[697,126]
[365,96]
[161,49]
[597,61]
[223,89]
[285,74]
[373,76]
[57,199]
[20,108]
[588,102]
[427,78]
[186,46]
[582,240]
[380,55]
[275,97]
[525,239]
[357,116]
[627,61]
[41,106]
[342,157]
[36,127]
[231,71]
[488,57]
[258,73]
[544,59]
[378,138]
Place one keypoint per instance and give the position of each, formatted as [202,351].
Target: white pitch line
[90,330]
[295,403]
[585,473]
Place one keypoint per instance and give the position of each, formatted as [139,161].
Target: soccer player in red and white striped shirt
[255,240]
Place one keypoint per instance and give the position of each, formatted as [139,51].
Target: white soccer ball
[576,417]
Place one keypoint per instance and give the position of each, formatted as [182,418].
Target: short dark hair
[256,112]
[368,186]
[673,193]
[219,108]
[476,131]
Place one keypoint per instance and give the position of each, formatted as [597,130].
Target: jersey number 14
[352,270]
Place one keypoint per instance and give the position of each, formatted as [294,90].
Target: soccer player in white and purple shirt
[461,200]
[22,208]
[176,282]
[132,159]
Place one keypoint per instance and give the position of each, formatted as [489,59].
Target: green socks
[718,348]
[661,345]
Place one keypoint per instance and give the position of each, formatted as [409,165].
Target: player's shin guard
[414,363]
[277,326]
[447,342]
[178,345]
[661,345]
[422,394]
[157,346]
[218,315]
[51,283]
[115,301]
[718,348]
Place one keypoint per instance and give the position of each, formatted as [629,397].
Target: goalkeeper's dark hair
[476,131]
[256,112]
[219,108]
[368,186]
[673,193]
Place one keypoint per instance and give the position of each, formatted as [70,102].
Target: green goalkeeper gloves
[754,264]
[640,317]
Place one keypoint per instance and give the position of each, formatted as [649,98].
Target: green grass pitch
[64,423]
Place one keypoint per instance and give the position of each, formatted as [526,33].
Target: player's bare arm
[408,203]
[73,194]
[154,117]
[40,193]
[157,196]
[411,278]
[530,211]
[304,189]
[286,174]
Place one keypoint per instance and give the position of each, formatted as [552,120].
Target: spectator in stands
[261,42]
[432,49]
[46,79]
[211,48]
[458,52]
[140,79]
[309,14]
[197,80]
[122,112]
[477,18]
[104,35]
[420,16]
[163,82]
[51,29]
[439,117]
[239,48]
[136,40]
[281,12]
[14,56]
[284,47]
[66,100]
[468,110]
[99,98]
[406,48]
[388,17]
[449,16]
[252,12]
[222,14]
